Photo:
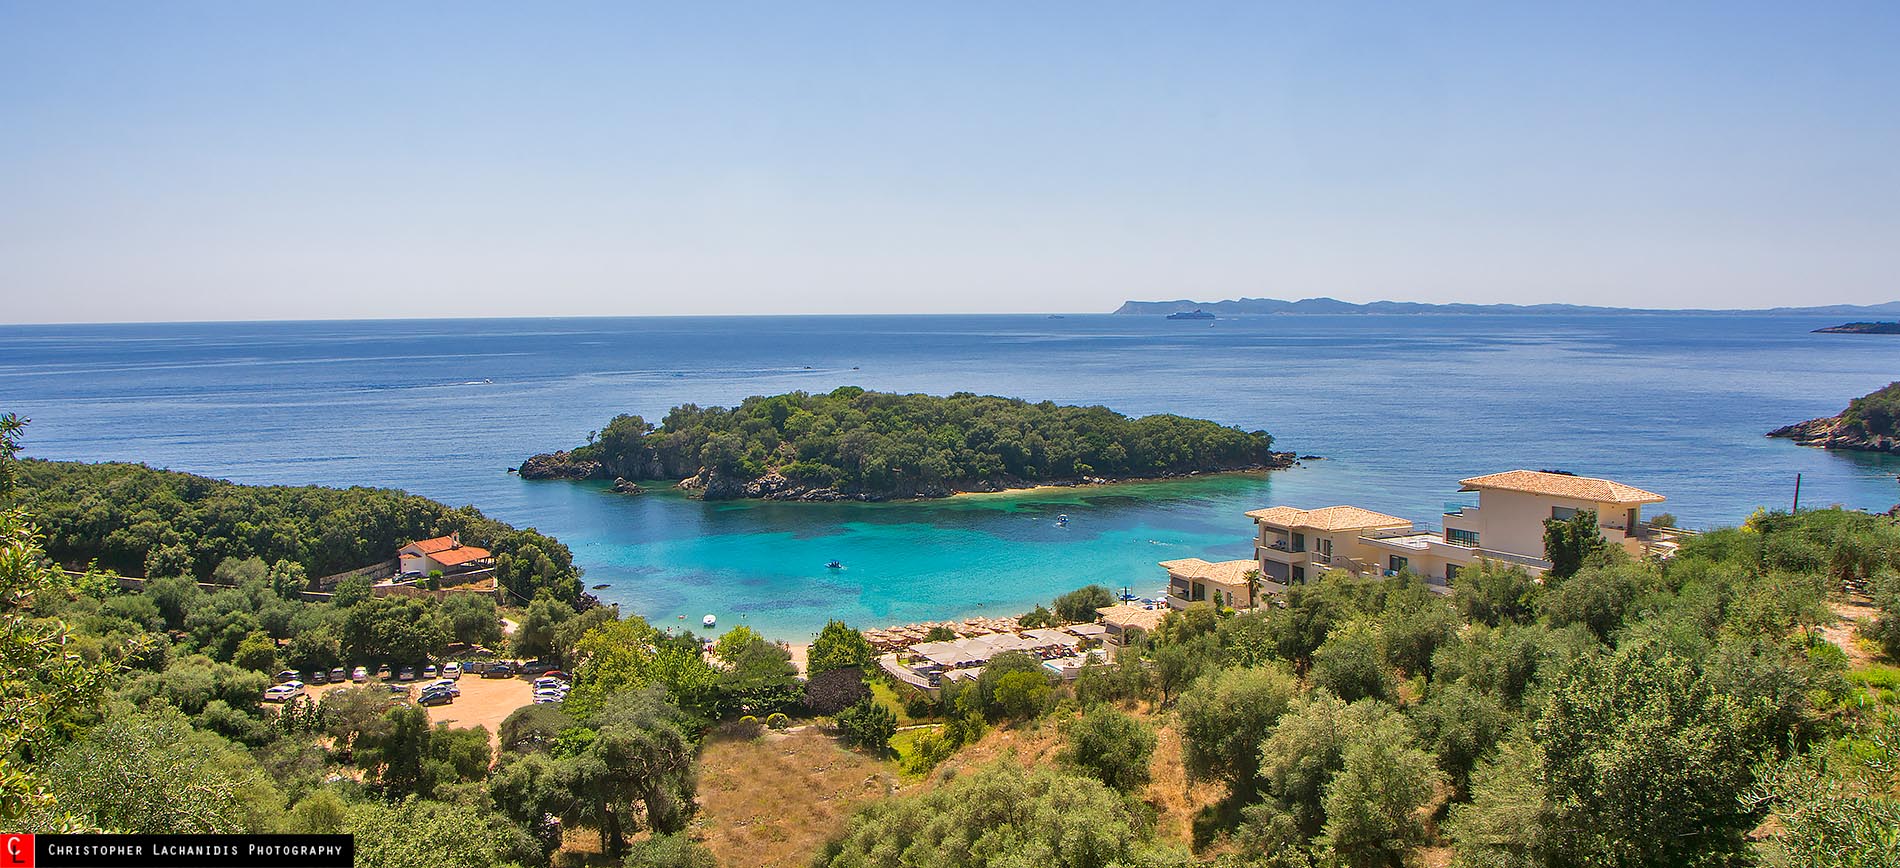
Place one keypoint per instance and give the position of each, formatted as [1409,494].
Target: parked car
[407,673]
[435,697]
[382,671]
[428,671]
[546,700]
[281,693]
[555,673]
[289,675]
[499,670]
[319,677]
[397,689]
[444,684]
[536,667]
[452,671]
[359,675]
[337,675]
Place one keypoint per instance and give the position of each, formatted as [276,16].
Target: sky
[206,161]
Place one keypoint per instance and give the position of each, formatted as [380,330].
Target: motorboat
[709,620]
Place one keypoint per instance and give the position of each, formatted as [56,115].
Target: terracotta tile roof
[446,550]
[431,546]
[1233,573]
[1125,616]
[1329,518]
[1560,485]
[457,557]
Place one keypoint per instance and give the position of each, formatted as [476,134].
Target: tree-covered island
[853,444]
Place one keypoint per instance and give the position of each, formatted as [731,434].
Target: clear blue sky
[184,160]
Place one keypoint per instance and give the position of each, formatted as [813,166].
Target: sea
[1397,409]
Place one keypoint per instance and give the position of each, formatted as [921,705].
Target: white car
[444,684]
[452,671]
[282,692]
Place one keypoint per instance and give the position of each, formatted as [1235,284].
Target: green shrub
[777,720]
[868,725]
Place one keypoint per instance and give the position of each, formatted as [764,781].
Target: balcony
[1280,554]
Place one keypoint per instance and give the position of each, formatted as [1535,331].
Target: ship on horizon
[1196,313]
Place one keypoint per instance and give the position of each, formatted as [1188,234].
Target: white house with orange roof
[445,553]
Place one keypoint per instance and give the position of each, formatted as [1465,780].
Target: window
[1326,551]
[1299,542]
[1459,537]
[1398,563]
[1451,574]
[1562,513]
[1299,575]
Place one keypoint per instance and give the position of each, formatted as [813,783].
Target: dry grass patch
[1848,615]
[1030,746]
[1175,800]
[776,800]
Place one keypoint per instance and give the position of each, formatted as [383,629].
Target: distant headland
[1259,306]
[1862,328]
[852,444]
[1871,423]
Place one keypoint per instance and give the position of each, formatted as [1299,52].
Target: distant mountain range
[1257,306]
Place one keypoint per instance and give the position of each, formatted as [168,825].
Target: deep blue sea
[1401,408]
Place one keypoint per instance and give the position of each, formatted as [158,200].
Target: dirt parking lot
[484,701]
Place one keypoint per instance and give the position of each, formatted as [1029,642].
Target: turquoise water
[1401,407]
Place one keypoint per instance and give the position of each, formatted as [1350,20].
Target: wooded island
[853,444]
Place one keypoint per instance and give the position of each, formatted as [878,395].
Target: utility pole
[1797,494]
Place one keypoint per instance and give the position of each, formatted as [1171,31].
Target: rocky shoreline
[1833,432]
[775,486]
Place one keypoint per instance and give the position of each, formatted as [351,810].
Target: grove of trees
[881,444]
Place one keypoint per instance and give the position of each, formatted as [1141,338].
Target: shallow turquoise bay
[1401,406]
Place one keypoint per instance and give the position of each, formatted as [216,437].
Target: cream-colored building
[1191,580]
[1506,524]
[1293,544]
[1513,505]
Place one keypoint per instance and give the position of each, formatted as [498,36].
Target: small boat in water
[1062,520]
[834,565]
[602,587]
[709,620]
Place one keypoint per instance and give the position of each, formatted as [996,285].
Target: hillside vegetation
[851,443]
[139,521]
[1684,713]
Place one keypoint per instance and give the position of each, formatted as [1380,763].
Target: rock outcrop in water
[1871,423]
[857,445]
[561,465]
[1831,432]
